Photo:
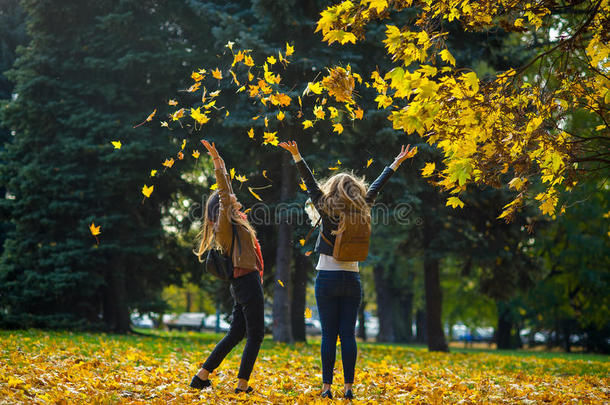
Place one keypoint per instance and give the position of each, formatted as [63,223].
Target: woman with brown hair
[344,204]
[226,227]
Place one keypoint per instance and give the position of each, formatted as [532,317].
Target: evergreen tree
[90,71]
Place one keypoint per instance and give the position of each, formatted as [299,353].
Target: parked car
[187,321]
[210,323]
[142,321]
[312,326]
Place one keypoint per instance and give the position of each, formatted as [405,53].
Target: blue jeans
[338,295]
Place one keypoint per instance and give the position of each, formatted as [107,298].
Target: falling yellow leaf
[172,102]
[116,144]
[210,105]
[183,144]
[271,60]
[232,173]
[178,114]
[265,175]
[303,186]
[318,111]
[359,113]
[289,49]
[196,154]
[251,132]
[168,162]
[280,282]
[255,118]
[266,122]
[333,112]
[147,191]
[270,138]
[333,168]
[198,116]
[214,93]
[194,87]
[230,45]
[248,61]
[309,252]
[454,202]
[148,119]
[241,178]
[153,173]
[307,124]
[196,76]
[302,242]
[280,116]
[164,124]
[95,230]
[254,194]
[308,313]
[368,162]
[180,155]
[217,74]
[338,128]
[214,186]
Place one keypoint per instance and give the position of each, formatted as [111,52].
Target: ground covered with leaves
[57,367]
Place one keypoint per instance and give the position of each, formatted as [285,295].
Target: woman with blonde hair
[344,204]
[226,227]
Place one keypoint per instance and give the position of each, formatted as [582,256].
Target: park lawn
[64,367]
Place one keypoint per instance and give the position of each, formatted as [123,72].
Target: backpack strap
[312,229]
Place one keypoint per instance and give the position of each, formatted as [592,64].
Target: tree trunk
[384,305]
[504,327]
[282,323]
[434,300]
[302,265]
[404,323]
[420,326]
[361,322]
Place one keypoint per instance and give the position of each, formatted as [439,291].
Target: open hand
[290,146]
[406,152]
[211,147]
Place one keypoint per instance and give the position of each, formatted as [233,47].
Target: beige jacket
[244,253]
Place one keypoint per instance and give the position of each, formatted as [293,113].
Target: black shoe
[247,391]
[327,394]
[349,394]
[200,384]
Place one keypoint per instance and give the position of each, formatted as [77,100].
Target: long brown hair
[343,194]
[206,237]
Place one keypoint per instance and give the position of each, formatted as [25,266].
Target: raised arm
[383,178]
[310,182]
[224,190]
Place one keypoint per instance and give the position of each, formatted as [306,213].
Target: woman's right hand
[291,146]
[211,147]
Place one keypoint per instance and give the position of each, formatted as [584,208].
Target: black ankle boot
[327,394]
[247,391]
[349,394]
[200,384]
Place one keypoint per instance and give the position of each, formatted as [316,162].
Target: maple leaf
[303,186]
[270,138]
[251,132]
[454,202]
[307,124]
[172,102]
[428,169]
[368,162]
[217,74]
[180,155]
[147,191]
[194,87]
[164,124]
[338,128]
[197,77]
[196,154]
[168,163]
[280,116]
[248,61]
[178,114]
[116,144]
[214,186]
[148,119]
[315,88]
[447,57]
[359,113]
[232,173]
[95,230]
[198,116]
[153,173]
[289,49]
[302,242]
[250,189]
[271,60]
[318,111]
[308,313]
[241,178]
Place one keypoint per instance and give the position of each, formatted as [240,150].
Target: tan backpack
[352,244]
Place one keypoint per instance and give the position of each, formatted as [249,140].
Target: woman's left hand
[406,152]
[211,147]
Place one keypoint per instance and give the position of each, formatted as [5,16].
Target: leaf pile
[51,367]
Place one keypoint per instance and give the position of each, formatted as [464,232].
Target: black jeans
[248,320]
[338,295]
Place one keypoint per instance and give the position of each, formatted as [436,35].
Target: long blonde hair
[206,237]
[343,194]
